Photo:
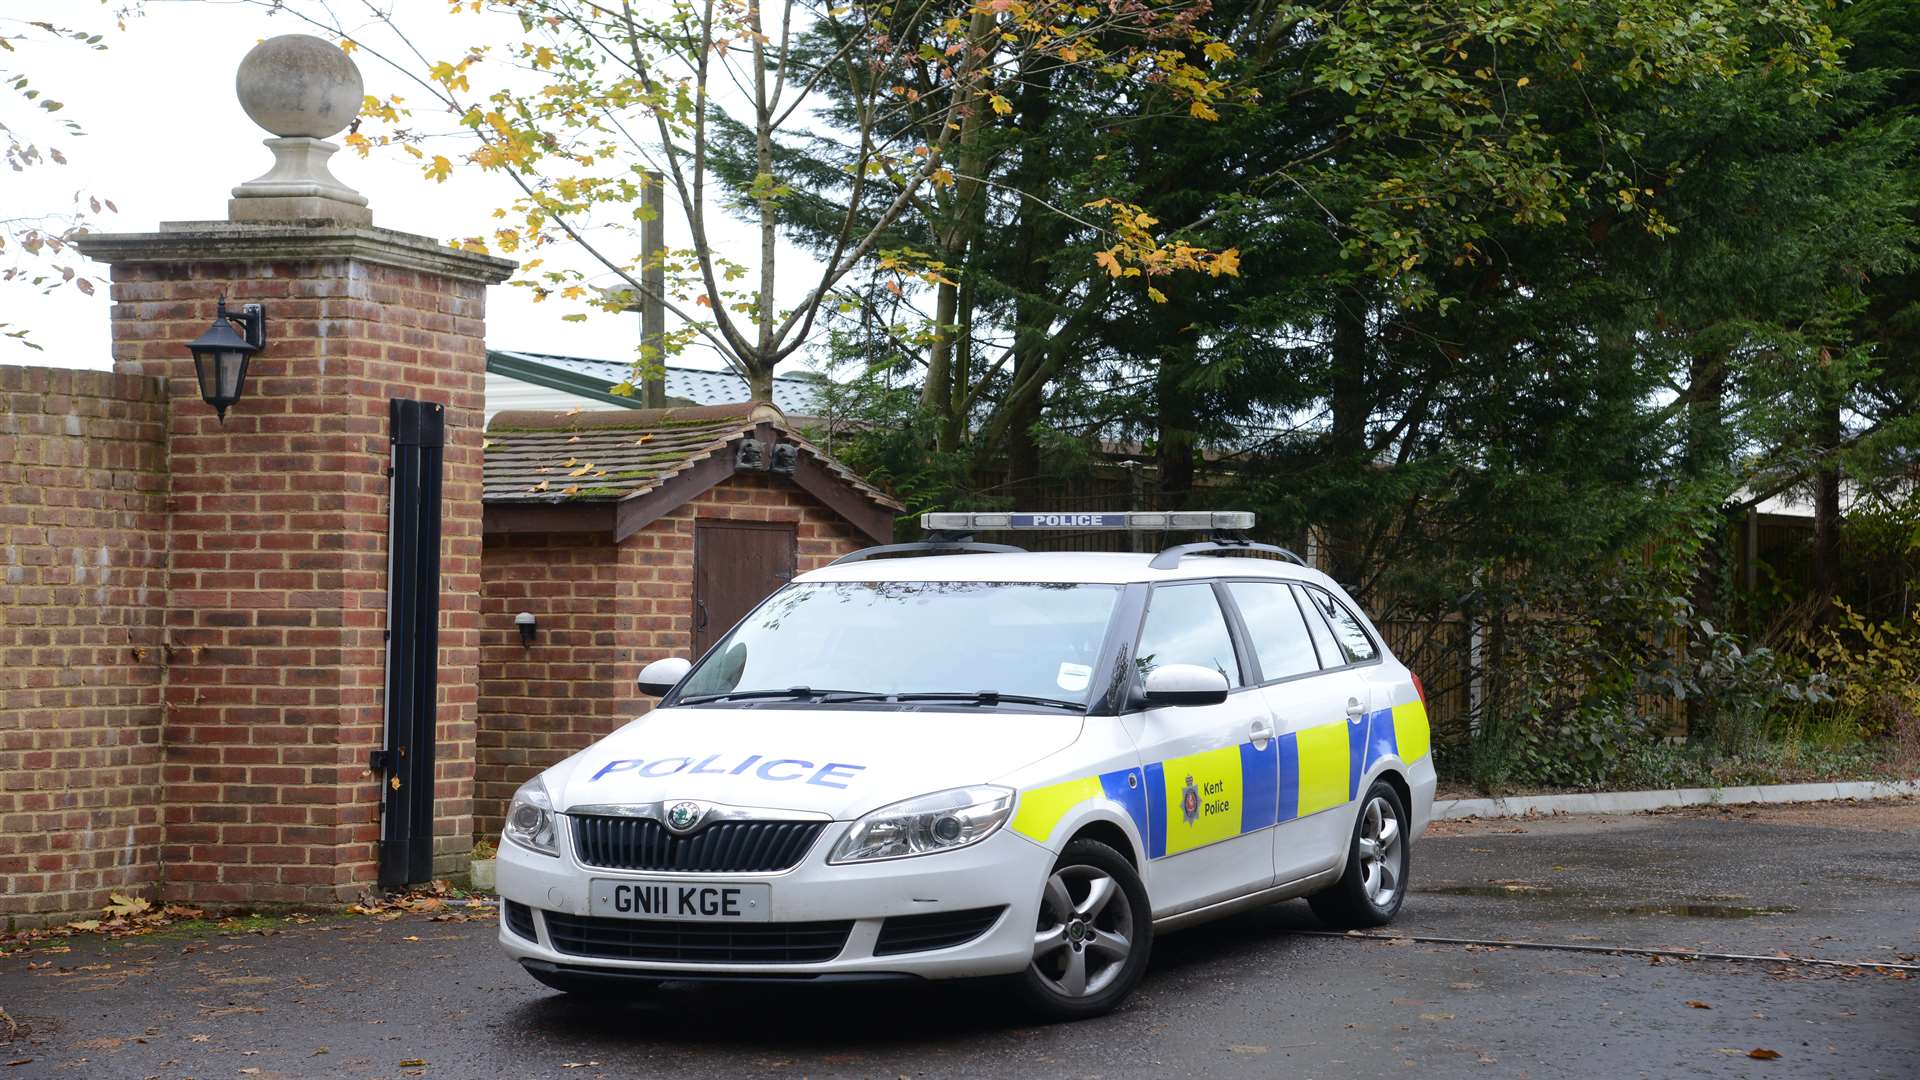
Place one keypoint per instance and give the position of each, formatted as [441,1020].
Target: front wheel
[1093,935]
[1378,857]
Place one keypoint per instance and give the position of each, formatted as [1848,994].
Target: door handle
[1262,734]
[700,610]
[1356,712]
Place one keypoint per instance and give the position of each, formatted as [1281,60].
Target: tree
[588,95]
[35,245]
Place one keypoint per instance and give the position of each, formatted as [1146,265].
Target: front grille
[938,930]
[724,847]
[695,942]
[519,918]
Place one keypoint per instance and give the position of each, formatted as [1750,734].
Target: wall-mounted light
[220,355]
[526,624]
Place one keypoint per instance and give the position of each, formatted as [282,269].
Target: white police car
[982,762]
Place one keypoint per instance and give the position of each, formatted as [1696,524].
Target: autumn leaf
[1202,111]
[85,925]
[1698,1005]
[413,1063]
[1156,295]
[582,470]
[1000,104]
[1763,1054]
[438,169]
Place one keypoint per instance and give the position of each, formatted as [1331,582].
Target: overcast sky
[167,141]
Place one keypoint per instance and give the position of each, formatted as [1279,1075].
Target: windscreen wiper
[793,693]
[991,698]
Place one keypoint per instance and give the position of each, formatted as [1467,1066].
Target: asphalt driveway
[1264,994]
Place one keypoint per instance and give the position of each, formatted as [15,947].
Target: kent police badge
[1190,801]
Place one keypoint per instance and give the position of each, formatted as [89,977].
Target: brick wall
[82,649]
[277,588]
[604,612]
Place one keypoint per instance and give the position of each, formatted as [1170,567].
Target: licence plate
[687,901]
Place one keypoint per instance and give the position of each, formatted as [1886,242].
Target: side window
[1185,626]
[1331,655]
[1273,622]
[1353,639]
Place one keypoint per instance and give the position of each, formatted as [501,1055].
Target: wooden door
[736,564]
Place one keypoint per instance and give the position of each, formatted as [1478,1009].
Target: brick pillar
[277,582]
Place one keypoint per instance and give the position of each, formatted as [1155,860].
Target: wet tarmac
[1252,996]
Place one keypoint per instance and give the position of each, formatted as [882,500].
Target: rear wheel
[1092,937]
[1378,857]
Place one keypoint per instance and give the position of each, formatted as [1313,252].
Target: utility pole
[653,280]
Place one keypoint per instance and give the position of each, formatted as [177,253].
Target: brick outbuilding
[629,535]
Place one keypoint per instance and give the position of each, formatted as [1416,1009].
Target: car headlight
[941,821]
[531,822]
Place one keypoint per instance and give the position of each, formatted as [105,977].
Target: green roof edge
[532,371]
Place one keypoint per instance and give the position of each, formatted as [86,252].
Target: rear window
[1352,638]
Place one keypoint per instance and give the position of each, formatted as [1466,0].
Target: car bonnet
[842,762]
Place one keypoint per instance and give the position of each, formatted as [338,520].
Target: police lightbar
[1136,520]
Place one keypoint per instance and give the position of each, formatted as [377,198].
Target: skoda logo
[682,816]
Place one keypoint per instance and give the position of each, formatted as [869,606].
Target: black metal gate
[418,430]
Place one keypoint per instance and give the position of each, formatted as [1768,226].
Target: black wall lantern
[526,625]
[220,355]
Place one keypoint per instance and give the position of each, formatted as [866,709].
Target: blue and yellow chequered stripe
[1240,789]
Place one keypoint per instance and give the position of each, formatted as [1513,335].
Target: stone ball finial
[299,86]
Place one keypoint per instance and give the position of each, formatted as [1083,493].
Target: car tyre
[1379,856]
[1092,937]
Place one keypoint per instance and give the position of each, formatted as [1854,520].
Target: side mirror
[660,676]
[1185,684]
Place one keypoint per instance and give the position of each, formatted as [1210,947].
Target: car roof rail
[1223,544]
[935,544]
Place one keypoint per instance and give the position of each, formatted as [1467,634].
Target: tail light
[1419,688]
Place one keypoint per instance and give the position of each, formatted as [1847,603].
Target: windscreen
[915,637]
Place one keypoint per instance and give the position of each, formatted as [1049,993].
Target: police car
[951,759]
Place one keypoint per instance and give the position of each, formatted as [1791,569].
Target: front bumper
[1006,870]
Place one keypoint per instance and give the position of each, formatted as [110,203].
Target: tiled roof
[547,458]
[792,395]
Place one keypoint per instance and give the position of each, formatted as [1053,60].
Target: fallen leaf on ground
[1763,1053]
[412,1062]
[1241,1048]
[125,907]
[19,1061]
[198,1038]
[1698,1005]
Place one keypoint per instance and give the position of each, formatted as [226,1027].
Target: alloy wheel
[1380,852]
[1085,932]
